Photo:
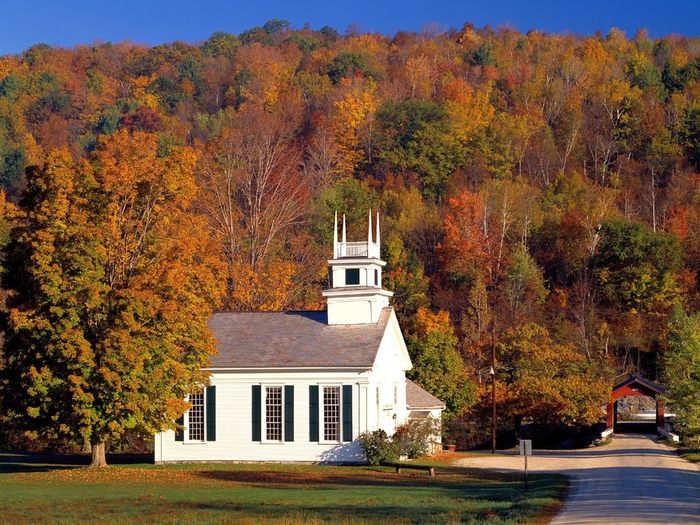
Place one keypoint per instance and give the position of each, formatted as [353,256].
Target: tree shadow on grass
[354,476]
[14,462]
[458,482]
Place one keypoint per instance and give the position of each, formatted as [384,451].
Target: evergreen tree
[683,370]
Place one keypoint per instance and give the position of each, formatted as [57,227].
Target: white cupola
[357,296]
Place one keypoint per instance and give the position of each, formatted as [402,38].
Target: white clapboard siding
[234,427]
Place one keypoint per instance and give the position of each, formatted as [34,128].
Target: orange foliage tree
[465,247]
[111,285]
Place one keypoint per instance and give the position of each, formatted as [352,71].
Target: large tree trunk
[98,455]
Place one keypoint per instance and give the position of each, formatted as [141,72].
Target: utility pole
[493,388]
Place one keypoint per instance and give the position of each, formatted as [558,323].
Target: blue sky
[67,23]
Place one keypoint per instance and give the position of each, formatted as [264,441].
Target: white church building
[302,386]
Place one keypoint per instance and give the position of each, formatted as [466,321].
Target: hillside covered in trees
[541,189]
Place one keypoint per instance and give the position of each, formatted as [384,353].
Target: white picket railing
[357,249]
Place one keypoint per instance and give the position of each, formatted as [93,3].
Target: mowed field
[55,489]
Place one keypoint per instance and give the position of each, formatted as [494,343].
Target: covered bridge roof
[637,386]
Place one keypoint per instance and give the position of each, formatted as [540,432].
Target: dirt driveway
[635,480]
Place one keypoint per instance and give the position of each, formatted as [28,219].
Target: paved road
[635,480]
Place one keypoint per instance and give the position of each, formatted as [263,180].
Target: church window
[352,276]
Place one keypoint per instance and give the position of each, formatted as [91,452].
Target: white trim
[352,291]
[262,369]
[378,407]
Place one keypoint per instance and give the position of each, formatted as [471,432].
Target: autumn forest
[537,192]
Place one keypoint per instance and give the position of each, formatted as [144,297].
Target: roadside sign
[526,447]
[525,450]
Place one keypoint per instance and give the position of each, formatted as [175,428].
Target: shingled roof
[293,339]
[417,398]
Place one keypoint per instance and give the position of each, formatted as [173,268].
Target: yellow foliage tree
[547,381]
[352,120]
[111,283]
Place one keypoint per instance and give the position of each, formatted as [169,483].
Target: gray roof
[417,398]
[293,339]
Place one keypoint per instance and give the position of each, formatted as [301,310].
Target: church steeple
[357,296]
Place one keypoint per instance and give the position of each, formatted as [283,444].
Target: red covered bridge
[636,386]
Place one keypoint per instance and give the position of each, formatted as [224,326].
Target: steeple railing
[357,249]
[369,249]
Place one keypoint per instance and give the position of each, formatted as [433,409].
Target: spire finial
[344,239]
[377,239]
[335,235]
[369,230]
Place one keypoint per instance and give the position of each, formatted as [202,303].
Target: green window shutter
[180,433]
[347,412]
[289,413]
[313,412]
[211,413]
[257,427]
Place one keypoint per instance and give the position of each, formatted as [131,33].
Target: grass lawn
[690,453]
[42,489]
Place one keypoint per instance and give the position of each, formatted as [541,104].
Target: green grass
[685,450]
[690,453]
[42,490]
